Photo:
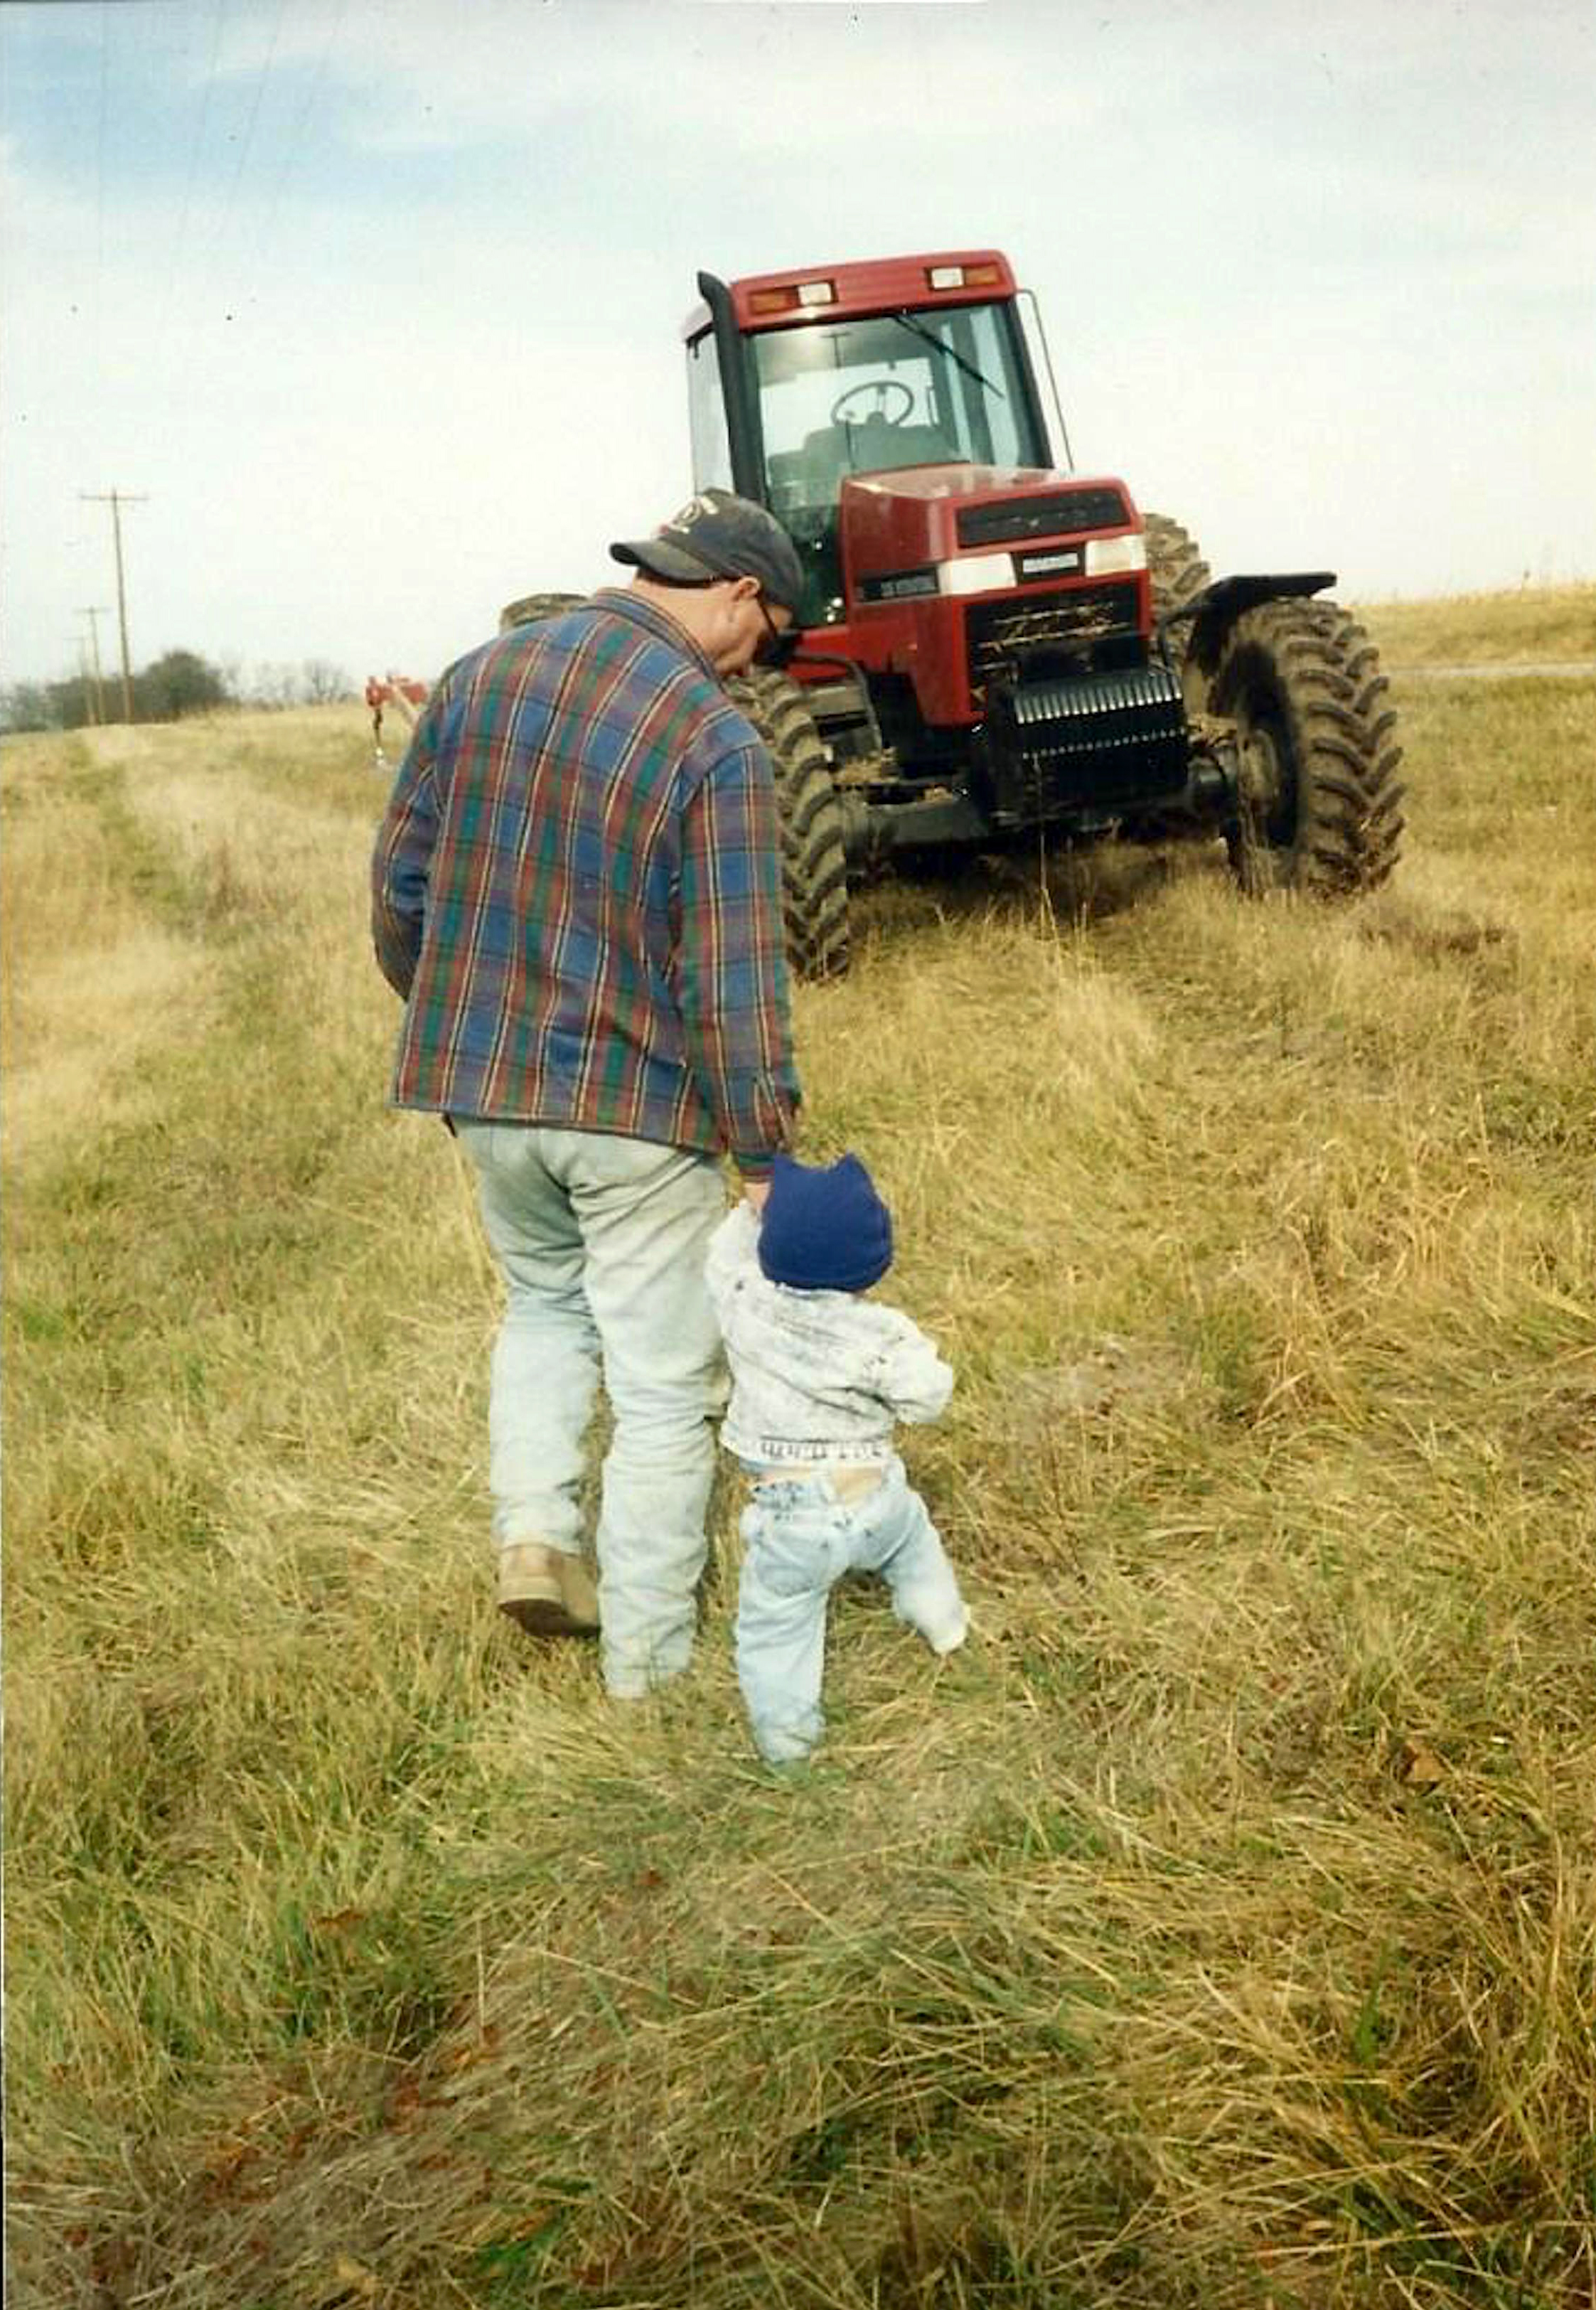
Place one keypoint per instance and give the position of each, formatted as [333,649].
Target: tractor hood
[958,529]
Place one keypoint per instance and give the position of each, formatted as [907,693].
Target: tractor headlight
[1110,557]
[977,573]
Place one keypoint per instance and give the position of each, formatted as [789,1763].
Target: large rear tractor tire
[1178,574]
[1320,806]
[531,607]
[813,857]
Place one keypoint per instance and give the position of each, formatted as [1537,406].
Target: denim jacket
[818,1377]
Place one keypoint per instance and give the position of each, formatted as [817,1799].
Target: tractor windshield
[938,387]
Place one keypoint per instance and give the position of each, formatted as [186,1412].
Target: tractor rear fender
[1214,610]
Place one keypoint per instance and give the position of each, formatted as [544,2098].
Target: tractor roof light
[791,297]
[963,277]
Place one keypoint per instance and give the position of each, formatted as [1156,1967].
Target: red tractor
[998,650]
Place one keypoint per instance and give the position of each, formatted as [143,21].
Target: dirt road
[1499,670]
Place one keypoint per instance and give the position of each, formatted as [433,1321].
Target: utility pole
[99,713]
[89,714]
[117,500]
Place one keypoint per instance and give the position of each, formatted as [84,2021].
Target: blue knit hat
[824,1230]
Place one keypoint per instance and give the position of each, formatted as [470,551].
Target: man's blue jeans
[602,1243]
[798,1540]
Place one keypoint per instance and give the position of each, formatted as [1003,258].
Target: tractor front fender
[1215,611]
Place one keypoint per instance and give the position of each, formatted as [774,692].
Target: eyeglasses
[778,648]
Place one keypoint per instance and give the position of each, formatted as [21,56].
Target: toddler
[819,1375]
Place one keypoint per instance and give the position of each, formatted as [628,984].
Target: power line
[175,267]
[218,249]
[302,122]
[104,99]
[117,500]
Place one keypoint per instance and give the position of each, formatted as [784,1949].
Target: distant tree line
[180,682]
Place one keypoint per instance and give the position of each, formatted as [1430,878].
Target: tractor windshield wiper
[941,345]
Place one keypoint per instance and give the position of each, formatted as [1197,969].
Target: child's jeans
[799,1536]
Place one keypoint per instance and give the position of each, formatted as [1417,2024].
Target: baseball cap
[716,534]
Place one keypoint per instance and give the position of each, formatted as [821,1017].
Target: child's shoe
[947,1639]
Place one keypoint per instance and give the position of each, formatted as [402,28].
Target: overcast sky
[377,303]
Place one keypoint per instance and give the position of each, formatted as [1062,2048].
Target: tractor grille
[1002,636]
[1063,513]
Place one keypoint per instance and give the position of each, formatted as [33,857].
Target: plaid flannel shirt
[576,888]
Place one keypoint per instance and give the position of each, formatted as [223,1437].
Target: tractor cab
[797,383]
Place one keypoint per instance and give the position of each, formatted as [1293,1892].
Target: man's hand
[757,1191]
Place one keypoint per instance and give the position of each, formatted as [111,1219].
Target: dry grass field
[1549,623]
[1216,1933]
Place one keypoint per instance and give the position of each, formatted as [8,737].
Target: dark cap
[824,1230]
[718,536]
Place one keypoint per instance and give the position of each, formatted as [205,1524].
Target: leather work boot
[546,1591]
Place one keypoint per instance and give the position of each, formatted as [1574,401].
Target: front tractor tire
[1177,575]
[1319,803]
[814,871]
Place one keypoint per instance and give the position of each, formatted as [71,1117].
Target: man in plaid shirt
[576,889]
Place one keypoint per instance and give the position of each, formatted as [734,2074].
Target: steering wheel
[883,388]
